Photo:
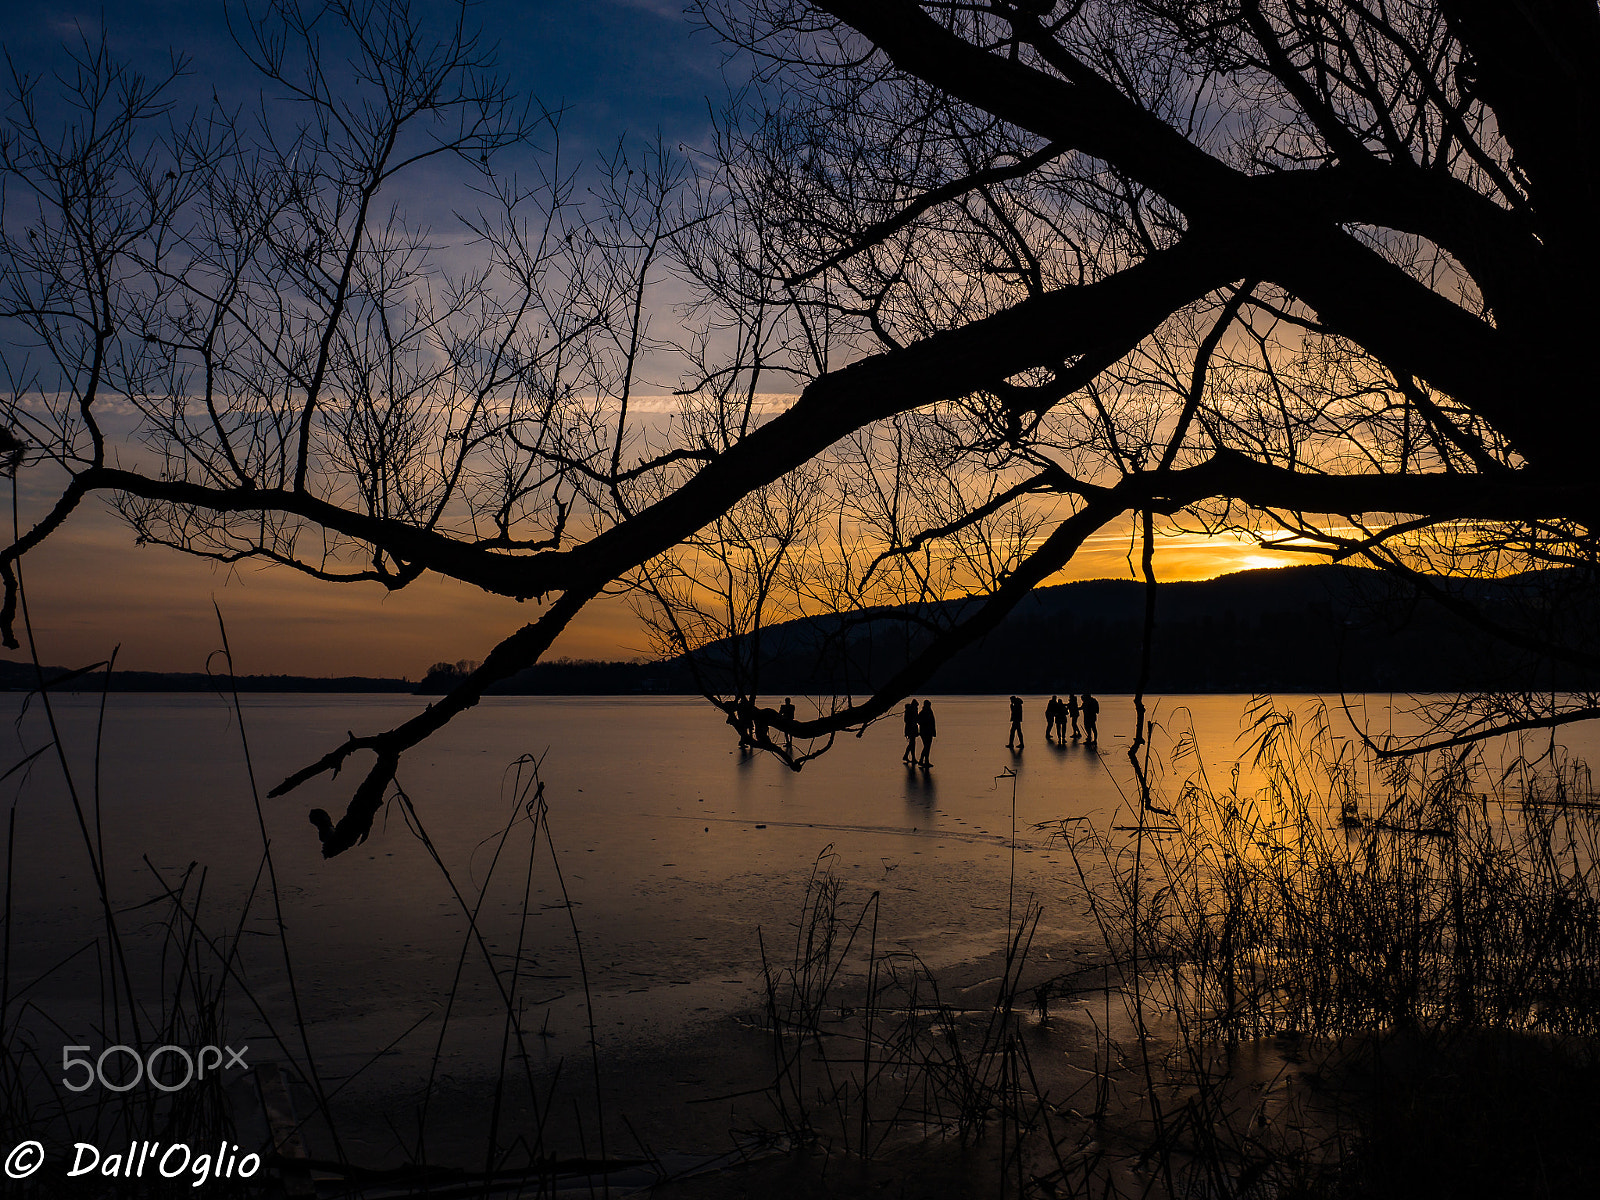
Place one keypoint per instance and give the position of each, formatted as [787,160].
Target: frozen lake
[673,846]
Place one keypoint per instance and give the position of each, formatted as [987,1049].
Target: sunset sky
[615,67]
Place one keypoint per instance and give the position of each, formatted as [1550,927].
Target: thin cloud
[659,8]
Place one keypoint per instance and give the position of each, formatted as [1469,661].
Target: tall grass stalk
[865,1050]
[188,978]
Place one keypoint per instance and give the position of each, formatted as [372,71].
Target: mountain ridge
[1307,628]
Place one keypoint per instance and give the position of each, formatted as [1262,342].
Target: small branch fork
[510,656]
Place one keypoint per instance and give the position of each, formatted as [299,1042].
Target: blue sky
[617,66]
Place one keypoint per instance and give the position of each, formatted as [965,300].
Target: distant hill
[1315,628]
[20,676]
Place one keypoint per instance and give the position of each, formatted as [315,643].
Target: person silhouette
[745,720]
[1072,713]
[927,729]
[1052,718]
[910,716]
[1091,719]
[786,715]
[1016,724]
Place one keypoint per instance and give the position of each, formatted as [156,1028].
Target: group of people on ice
[920,726]
[1057,714]
[753,725]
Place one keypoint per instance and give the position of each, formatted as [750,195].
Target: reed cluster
[1323,892]
[1349,975]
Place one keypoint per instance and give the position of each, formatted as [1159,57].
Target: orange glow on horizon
[89,589]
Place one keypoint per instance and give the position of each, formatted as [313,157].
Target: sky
[614,67]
